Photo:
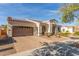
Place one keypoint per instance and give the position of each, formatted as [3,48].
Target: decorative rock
[57,49]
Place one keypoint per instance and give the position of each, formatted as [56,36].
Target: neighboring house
[69,29]
[28,27]
[2,31]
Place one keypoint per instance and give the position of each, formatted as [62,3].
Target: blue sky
[39,11]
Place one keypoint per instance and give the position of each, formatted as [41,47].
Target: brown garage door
[22,31]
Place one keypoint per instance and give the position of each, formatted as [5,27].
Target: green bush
[65,34]
[76,33]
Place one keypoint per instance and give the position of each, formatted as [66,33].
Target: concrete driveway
[25,43]
[28,42]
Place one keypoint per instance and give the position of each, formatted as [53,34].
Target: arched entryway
[53,29]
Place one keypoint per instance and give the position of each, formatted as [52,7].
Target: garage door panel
[22,31]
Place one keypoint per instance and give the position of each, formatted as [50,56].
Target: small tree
[68,12]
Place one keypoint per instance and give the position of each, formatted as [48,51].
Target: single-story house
[29,27]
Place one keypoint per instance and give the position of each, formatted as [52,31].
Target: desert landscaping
[27,43]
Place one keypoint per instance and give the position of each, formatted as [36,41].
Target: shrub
[48,34]
[65,34]
[76,33]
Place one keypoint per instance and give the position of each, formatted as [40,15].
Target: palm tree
[68,12]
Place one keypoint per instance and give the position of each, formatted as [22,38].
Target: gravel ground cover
[68,48]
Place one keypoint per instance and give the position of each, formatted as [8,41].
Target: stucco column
[49,27]
[56,29]
[39,29]
[35,31]
[9,30]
